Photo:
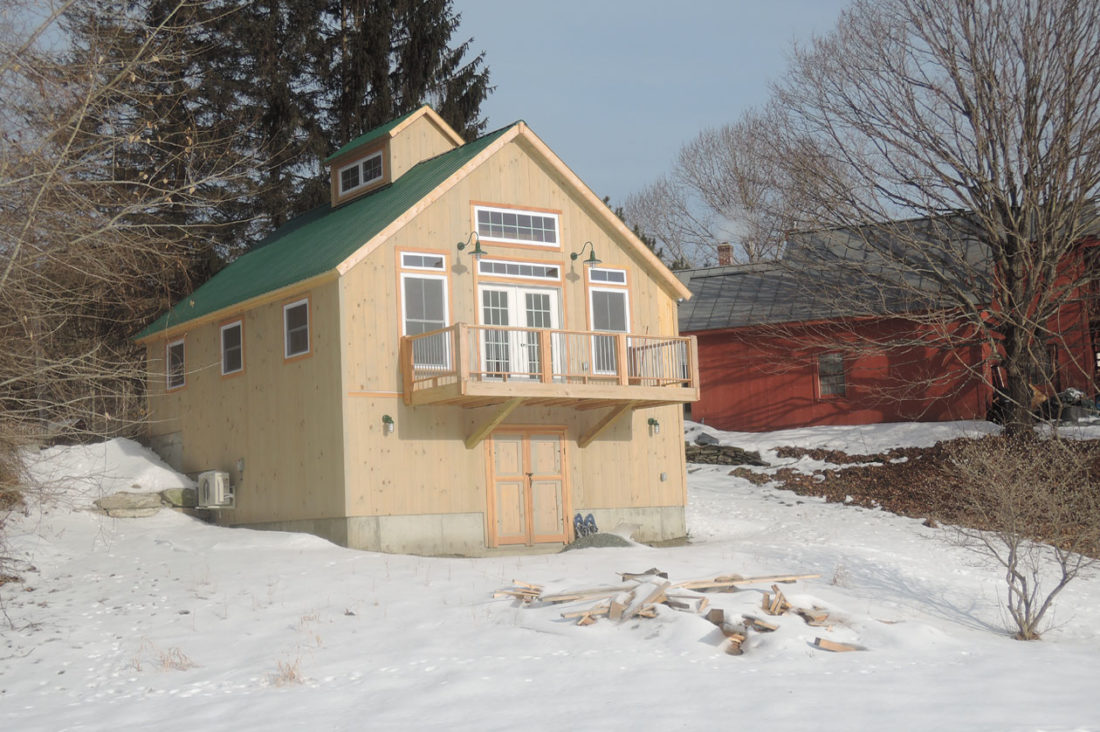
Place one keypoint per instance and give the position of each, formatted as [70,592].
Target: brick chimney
[725,254]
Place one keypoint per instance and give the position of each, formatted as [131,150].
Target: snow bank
[84,473]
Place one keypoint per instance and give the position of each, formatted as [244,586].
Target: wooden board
[836,646]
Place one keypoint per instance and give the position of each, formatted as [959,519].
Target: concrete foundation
[463,534]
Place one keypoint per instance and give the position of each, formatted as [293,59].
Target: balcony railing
[479,361]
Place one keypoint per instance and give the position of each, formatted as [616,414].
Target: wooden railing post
[405,357]
[546,357]
[620,357]
[461,363]
[693,356]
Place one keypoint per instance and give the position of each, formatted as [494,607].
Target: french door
[506,351]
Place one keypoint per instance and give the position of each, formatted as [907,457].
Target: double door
[527,501]
[507,349]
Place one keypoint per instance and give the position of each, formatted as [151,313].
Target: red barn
[780,348]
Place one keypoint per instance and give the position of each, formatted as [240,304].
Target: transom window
[360,173]
[526,270]
[232,348]
[296,328]
[517,226]
[610,276]
[830,374]
[176,367]
[411,260]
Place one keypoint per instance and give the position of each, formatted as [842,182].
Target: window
[176,369]
[296,328]
[609,313]
[422,261]
[360,173]
[611,276]
[425,304]
[517,226]
[232,348]
[526,270]
[424,309]
[830,374]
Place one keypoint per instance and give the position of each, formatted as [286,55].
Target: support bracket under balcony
[608,420]
[501,414]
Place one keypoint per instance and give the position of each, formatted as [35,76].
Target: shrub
[1036,512]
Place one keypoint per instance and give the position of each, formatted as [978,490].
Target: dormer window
[360,173]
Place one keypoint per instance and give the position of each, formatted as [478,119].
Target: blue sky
[615,87]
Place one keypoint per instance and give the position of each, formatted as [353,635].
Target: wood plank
[815,618]
[482,432]
[594,593]
[619,604]
[759,625]
[598,610]
[648,594]
[603,424]
[836,646]
[649,573]
[732,581]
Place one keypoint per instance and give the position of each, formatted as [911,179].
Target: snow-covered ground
[167,623]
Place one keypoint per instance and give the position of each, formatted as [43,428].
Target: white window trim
[169,386]
[221,338]
[286,330]
[423,274]
[556,244]
[362,181]
[532,278]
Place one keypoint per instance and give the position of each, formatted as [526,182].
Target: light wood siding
[424,467]
[419,140]
[282,417]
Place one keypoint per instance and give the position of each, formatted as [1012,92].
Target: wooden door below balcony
[527,499]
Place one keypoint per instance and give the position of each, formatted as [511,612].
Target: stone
[130,505]
[180,497]
[705,439]
[132,512]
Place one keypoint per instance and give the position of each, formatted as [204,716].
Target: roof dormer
[384,154]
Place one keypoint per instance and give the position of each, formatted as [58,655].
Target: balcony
[479,365]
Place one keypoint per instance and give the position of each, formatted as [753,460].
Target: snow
[167,623]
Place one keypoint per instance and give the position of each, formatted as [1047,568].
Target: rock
[130,505]
[706,439]
[132,512]
[180,497]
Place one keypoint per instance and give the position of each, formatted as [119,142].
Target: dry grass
[287,673]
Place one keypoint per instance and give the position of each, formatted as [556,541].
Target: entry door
[515,353]
[527,501]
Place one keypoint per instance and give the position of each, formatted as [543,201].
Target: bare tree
[948,152]
[724,187]
[99,205]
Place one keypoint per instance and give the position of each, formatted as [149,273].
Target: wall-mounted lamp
[387,424]
[654,426]
[477,252]
[592,258]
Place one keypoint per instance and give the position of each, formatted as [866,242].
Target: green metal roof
[371,135]
[318,241]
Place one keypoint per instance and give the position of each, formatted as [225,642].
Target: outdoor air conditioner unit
[215,490]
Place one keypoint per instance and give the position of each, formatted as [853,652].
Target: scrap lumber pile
[640,594]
